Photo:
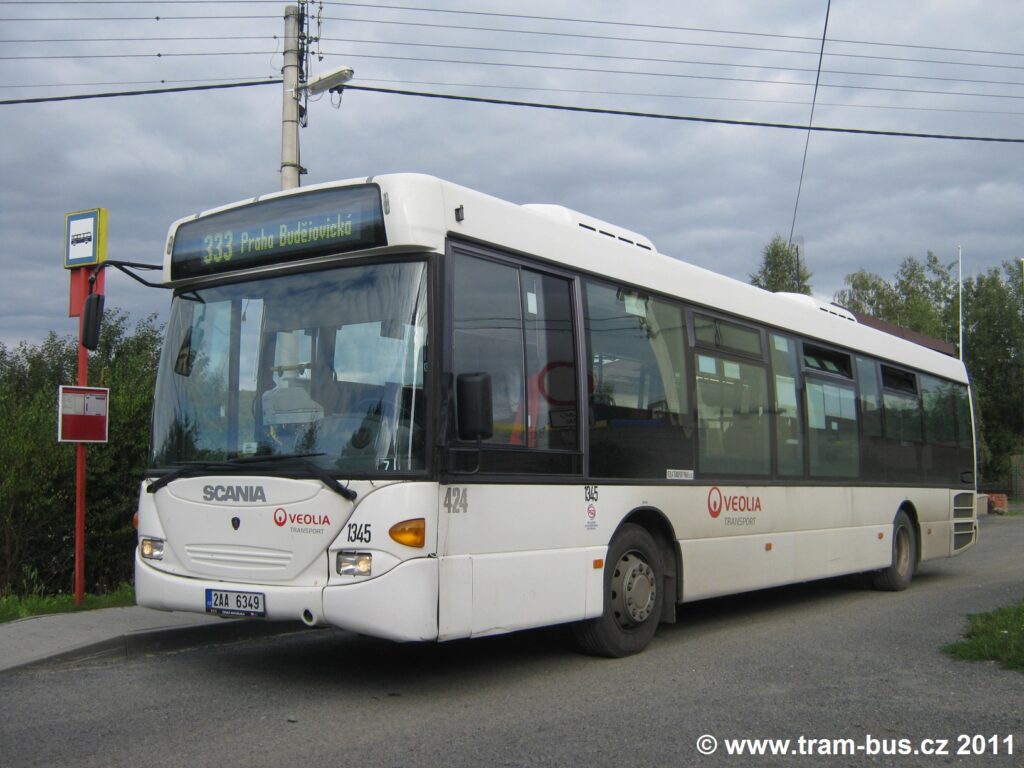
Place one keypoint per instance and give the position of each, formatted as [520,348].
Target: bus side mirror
[473,396]
[92,318]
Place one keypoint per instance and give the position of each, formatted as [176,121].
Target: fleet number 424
[456,500]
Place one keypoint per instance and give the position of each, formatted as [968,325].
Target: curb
[147,641]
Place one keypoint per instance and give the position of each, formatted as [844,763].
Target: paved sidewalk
[111,632]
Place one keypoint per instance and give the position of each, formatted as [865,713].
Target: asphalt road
[825,660]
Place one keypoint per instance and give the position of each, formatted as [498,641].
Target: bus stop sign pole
[85,248]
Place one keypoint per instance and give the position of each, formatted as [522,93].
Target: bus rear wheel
[897,576]
[633,597]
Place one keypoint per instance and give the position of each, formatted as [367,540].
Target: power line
[184,89]
[654,60]
[519,16]
[591,70]
[159,38]
[664,26]
[462,62]
[554,34]
[595,70]
[158,55]
[93,84]
[684,118]
[810,124]
[151,39]
[221,17]
[636,94]
[657,41]
[138,2]
[535,105]
[540,89]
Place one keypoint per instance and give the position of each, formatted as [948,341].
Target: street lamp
[328,81]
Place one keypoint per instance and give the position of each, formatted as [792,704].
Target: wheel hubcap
[634,589]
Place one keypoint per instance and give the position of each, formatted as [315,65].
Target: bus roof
[421,212]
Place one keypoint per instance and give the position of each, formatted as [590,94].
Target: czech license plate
[228,603]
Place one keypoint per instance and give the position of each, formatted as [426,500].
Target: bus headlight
[152,549]
[355,563]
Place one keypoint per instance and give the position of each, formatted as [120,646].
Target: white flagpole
[960,301]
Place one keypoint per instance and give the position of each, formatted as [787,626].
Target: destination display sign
[302,226]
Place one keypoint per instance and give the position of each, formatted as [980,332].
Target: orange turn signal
[598,564]
[411,533]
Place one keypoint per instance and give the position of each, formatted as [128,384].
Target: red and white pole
[81,285]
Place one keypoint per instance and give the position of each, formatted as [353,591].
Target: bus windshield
[327,364]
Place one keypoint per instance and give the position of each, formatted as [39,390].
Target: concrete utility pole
[290,166]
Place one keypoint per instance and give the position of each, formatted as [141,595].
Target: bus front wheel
[633,596]
[904,557]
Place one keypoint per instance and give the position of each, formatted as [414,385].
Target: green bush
[37,487]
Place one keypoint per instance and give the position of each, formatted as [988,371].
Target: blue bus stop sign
[85,238]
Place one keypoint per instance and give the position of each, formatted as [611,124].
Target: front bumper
[398,605]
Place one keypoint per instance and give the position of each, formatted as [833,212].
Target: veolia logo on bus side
[734,503]
[715,501]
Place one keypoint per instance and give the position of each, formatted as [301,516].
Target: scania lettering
[411,410]
[234,493]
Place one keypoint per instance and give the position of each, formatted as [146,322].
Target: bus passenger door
[507,529]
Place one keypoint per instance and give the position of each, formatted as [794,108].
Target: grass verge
[15,607]
[994,636]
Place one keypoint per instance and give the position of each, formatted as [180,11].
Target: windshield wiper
[194,468]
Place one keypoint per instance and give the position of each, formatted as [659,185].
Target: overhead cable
[182,89]
[685,118]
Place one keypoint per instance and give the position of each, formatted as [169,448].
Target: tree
[994,354]
[37,486]
[869,294]
[926,292]
[37,482]
[781,269]
[924,298]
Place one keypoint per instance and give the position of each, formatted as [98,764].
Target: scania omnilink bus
[408,409]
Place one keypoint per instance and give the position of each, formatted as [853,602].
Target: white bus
[411,410]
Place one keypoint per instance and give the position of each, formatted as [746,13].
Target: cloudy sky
[708,193]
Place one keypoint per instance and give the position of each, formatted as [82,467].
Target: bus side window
[940,456]
[488,337]
[551,390]
[732,416]
[872,449]
[789,442]
[903,417]
[639,419]
[516,325]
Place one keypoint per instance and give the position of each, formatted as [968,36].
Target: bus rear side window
[902,405]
